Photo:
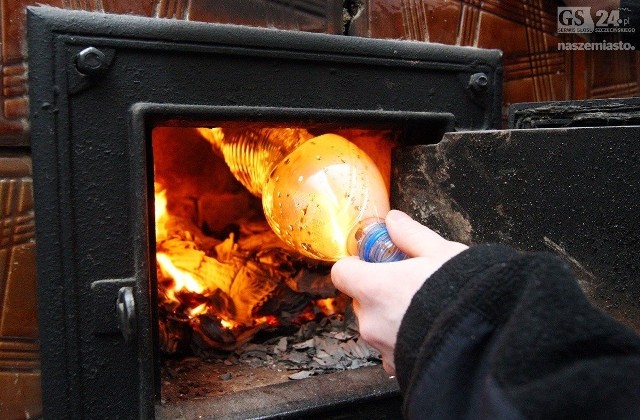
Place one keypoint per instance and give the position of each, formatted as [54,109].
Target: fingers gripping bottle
[322,195]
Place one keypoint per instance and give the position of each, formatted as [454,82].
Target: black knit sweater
[500,334]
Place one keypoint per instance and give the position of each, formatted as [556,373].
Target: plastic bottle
[322,195]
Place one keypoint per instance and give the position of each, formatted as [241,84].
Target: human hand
[382,292]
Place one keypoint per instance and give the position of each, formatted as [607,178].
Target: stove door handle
[126,308]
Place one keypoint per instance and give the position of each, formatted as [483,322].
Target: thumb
[415,239]
[347,274]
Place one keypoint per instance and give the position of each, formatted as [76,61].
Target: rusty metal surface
[570,191]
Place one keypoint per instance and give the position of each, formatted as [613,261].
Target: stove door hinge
[114,307]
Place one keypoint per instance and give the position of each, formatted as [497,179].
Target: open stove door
[565,178]
[99,83]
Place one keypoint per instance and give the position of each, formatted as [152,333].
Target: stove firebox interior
[101,84]
[223,275]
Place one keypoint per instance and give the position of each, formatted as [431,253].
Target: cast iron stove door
[99,83]
[565,179]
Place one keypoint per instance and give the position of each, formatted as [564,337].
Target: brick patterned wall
[305,15]
[524,30]
[19,360]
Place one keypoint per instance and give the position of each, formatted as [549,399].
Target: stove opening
[238,308]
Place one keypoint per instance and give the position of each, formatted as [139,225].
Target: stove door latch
[126,308]
[114,308]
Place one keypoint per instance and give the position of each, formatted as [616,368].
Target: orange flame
[160,212]
[183,280]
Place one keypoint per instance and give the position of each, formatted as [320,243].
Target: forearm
[494,330]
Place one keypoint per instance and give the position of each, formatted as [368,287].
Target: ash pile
[257,304]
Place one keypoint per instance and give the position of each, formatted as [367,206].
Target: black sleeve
[500,334]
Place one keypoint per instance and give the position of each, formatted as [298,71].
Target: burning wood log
[210,334]
[224,291]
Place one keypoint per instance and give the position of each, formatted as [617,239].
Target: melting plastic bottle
[322,195]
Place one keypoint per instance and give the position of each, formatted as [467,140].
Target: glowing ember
[328,306]
[228,324]
[200,309]
[268,320]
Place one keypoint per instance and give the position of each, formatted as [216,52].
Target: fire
[185,269]
[267,320]
[200,309]
[160,212]
[183,280]
[228,324]
[224,290]
[328,306]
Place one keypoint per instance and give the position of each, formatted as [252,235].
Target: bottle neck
[374,243]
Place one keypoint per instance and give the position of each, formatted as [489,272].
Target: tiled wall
[524,30]
[19,361]
[534,71]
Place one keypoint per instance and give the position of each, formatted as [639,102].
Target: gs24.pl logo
[578,20]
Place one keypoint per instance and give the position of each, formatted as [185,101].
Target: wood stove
[101,84]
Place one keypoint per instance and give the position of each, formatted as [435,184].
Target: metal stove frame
[99,83]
